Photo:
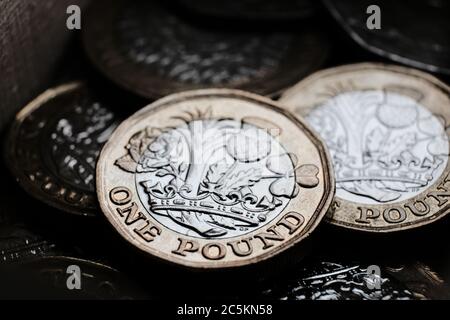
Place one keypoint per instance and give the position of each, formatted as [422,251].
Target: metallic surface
[421,279]
[387,147]
[53,146]
[387,130]
[321,279]
[213,179]
[19,244]
[328,280]
[153,51]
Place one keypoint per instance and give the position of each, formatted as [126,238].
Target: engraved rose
[150,150]
[135,149]
[158,154]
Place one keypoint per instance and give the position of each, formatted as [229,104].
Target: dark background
[37,51]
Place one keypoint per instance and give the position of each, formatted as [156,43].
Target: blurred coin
[18,244]
[213,179]
[53,146]
[420,279]
[416,33]
[387,131]
[72,278]
[254,10]
[151,51]
[20,239]
[331,280]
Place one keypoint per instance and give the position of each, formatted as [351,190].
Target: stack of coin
[215,174]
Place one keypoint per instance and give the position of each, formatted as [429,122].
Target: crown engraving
[385,146]
[214,177]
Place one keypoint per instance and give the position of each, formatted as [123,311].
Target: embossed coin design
[387,131]
[153,51]
[53,147]
[326,280]
[214,179]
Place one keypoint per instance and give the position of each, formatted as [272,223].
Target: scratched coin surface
[152,51]
[53,146]
[214,179]
[387,130]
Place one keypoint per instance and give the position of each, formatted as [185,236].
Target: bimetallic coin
[414,33]
[214,179]
[151,51]
[53,146]
[387,131]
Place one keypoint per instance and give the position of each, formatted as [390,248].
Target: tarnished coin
[331,280]
[414,33]
[53,146]
[152,51]
[254,10]
[387,130]
[214,179]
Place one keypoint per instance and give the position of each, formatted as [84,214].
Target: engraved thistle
[214,177]
[385,145]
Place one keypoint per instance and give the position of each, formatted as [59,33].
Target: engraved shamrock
[288,181]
